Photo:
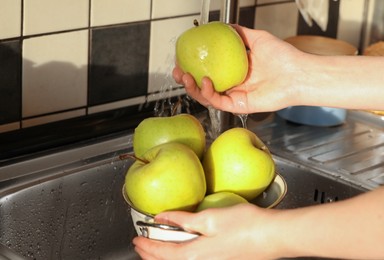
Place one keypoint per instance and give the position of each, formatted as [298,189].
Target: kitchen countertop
[353,151]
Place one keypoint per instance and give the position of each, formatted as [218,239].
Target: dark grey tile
[119,63]
[247,16]
[10,82]
[214,16]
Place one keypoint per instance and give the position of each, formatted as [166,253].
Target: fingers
[149,249]
[206,95]
[153,249]
[177,74]
[200,222]
[191,222]
[178,218]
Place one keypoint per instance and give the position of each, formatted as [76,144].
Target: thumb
[249,36]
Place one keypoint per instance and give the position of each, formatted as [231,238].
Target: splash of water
[242,117]
[167,104]
[214,129]
[168,100]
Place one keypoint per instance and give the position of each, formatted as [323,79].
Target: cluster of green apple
[175,171]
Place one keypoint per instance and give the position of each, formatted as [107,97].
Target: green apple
[239,162]
[214,50]
[220,200]
[182,128]
[167,177]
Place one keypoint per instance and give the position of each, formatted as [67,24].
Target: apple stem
[131,156]
[195,23]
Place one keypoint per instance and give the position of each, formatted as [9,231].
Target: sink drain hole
[321,197]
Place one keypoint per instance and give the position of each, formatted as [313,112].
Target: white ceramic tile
[41,16]
[162,50]
[280,19]
[10,18]
[104,12]
[351,17]
[217,4]
[167,8]
[54,73]
[9,127]
[52,118]
[116,105]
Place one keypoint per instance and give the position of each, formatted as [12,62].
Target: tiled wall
[61,60]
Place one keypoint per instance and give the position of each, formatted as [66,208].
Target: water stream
[215,124]
[243,119]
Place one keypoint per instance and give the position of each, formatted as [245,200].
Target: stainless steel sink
[68,204]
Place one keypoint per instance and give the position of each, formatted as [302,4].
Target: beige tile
[10,18]
[162,50]
[116,105]
[261,2]
[41,16]
[243,3]
[9,127]
[104,12]
[54,73]
[52,118]
[215,5]
[351,17]
[280,20]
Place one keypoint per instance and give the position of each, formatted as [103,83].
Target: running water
[169,99]
[243,119]
[214,129]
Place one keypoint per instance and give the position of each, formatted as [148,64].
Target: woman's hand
[238,232]
[268,86]
[280,75]
[246,231]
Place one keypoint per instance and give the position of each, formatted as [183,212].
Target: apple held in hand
[167,177]
[214,50]
[182,128]
[220,200]
[238,161]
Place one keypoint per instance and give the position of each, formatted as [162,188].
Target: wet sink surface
[80,213]
[78,216]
